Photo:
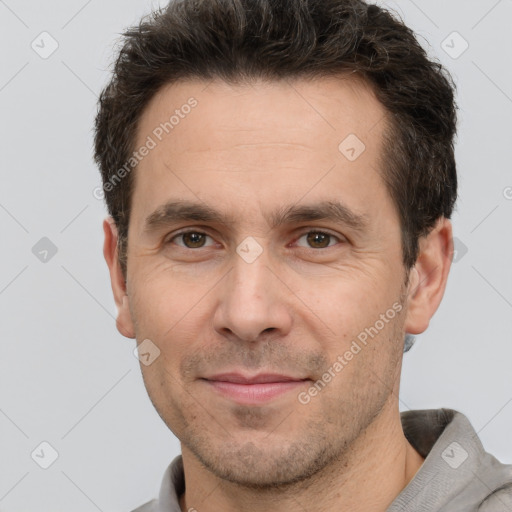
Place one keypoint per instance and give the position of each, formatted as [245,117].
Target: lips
[255,389]
[238,378]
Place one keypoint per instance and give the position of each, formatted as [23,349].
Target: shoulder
[499,500]
[150,506]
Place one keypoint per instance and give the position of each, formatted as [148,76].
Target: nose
[253,302]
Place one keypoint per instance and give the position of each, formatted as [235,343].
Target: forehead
[259,140]
[308,107]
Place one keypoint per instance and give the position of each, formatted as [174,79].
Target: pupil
[318,238]
[194,239]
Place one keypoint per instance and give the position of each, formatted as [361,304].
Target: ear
[428,277]
[110,251]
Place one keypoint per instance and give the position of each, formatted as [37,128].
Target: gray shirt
[458,475]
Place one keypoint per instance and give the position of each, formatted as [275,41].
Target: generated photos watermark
[151,143]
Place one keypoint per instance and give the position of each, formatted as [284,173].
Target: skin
[247,150]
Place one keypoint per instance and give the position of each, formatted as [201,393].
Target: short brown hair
[240,40]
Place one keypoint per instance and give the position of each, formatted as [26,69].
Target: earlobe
[428,277]
[124,321]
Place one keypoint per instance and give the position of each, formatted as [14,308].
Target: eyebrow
[179,211]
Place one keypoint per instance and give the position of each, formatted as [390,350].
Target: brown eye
[193,240]
[318,239]
[190,239]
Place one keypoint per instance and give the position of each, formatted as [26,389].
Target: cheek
[361,322]
[174,313]
[164,300]
[166,393]
[347,302]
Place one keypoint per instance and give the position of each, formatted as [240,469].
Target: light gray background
[69,378]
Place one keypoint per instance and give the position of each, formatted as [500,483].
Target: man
[280,178]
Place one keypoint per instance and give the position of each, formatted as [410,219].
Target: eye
[190,239]
[318,239]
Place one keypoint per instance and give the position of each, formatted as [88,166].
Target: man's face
[290,300]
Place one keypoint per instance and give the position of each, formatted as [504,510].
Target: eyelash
[317,231]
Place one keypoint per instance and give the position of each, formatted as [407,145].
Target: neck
[368,476]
